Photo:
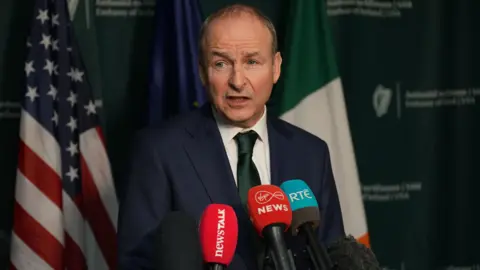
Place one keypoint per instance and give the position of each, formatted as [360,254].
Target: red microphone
[271,215]
[218,235]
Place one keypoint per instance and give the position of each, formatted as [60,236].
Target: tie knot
[246,141]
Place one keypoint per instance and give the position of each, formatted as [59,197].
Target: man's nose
[237,79]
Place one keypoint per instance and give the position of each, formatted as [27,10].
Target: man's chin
[237,117]
[241,119]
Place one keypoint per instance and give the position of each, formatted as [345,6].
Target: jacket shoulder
[300,135]
[168,130]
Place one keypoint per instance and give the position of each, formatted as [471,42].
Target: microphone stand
[216,266]
[268,263]
[319,256]
[282,259]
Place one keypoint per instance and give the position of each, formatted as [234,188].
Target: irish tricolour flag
[312,98]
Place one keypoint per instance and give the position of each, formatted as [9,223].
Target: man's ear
[277,64]
[203,76]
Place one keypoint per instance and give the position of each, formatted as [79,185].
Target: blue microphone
[306,219]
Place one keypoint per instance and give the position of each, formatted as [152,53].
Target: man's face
[240,68]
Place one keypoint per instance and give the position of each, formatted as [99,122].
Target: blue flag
[175,84]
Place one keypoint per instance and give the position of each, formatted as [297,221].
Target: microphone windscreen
[177,237]
[348,253]
[267,205]
[303,203]
[218,234]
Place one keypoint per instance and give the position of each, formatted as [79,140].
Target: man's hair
[235,10]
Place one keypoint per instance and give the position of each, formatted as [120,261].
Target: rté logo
[300,195]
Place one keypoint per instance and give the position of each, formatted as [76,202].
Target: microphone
[218,235]
[305,219]
[271,216]
[347,254]
[177,237]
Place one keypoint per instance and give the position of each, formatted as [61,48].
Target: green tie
[247,174]
[248,177]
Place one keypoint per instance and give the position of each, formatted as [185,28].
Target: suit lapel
[207,154]
[278,137]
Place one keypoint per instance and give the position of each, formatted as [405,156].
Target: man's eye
[252,62]
[220,64]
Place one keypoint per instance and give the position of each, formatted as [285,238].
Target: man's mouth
[237,99]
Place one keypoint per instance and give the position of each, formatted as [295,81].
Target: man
[199,158]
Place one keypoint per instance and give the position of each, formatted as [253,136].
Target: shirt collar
[228,131]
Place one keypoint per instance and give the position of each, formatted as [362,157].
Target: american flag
[66,208]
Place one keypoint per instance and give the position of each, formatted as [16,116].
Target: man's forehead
[242,16]
[250,31]
[220,25]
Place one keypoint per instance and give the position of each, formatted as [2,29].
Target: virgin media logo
[263,197]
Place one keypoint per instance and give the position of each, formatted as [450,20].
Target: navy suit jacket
[183,166]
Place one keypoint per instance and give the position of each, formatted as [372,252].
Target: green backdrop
[411,86]
[409,69]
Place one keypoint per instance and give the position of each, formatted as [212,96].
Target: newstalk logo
[220,233]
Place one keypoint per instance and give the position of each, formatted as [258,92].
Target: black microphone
[305,220]
[349,254]
[177,243]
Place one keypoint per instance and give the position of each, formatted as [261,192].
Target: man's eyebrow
[221,54]
[226,55]
[251,54]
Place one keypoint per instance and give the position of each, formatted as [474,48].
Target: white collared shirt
[261,150]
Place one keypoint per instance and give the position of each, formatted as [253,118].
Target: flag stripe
[39,207]
[23,257]
[326,105]
[81,233]
[74,259]
[73,221]
[95,258]
[101,137]
[96,214]
[95,156]
[40,174]
[42,143]
[37,238]
[364,239]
